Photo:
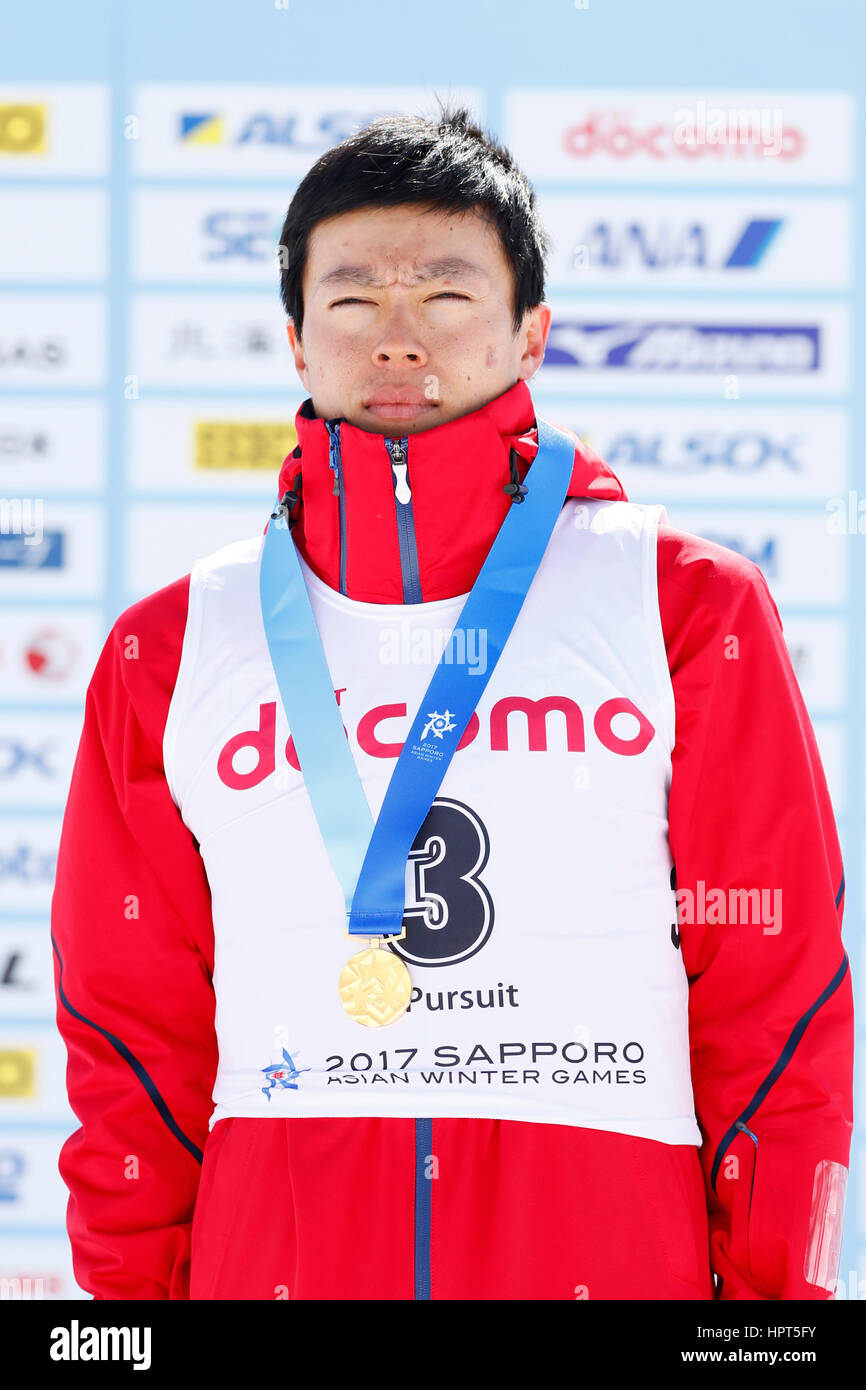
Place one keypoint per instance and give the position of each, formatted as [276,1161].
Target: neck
[407,519]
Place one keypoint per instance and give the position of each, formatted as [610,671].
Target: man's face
[408,319]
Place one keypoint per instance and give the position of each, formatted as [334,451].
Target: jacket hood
[358,540]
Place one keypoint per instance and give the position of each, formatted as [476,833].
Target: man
[605,1084]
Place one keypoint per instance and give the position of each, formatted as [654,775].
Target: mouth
[398,403]
[400,410]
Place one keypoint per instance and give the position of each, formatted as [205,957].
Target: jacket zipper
[398,453]
[745,1130]
[398,450]
[423,1197]
[336,463]
[410,571]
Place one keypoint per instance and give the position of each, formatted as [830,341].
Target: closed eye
[446,294]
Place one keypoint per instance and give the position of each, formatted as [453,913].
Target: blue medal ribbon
[370,858]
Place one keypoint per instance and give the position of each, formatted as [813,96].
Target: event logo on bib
[438,724]
[282,1074]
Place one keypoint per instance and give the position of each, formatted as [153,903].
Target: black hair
[445,162]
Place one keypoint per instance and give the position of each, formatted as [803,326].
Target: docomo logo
[612,133]
[262,741]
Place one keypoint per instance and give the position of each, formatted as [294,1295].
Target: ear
[535,331]
[298,354]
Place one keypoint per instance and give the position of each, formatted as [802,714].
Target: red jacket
[338,1208]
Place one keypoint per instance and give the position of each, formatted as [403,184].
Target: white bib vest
[547,983]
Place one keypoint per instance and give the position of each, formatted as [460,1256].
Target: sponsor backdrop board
[704,223]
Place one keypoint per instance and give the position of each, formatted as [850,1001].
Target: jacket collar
[366,542]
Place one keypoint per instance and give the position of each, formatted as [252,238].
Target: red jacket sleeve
[132,934]
[770,1001]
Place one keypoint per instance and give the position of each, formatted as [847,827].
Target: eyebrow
[455,266]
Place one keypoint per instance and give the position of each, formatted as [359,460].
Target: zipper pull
[332,459]
[400,468]
[401,491]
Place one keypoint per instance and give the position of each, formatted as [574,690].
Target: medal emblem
[375,987]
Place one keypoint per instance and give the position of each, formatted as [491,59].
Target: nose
[399,342]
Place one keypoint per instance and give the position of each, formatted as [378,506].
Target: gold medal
[375,986]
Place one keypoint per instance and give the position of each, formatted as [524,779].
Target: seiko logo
[513,721]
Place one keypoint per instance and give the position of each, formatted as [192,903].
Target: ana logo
[672,245]
[449,908]
[283,1074]
[438,724]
